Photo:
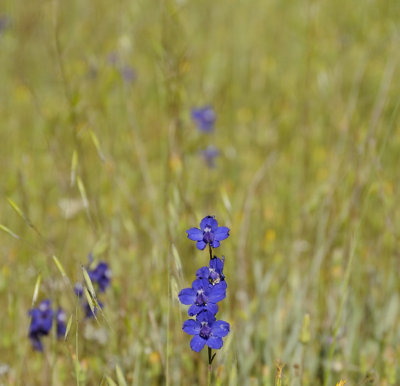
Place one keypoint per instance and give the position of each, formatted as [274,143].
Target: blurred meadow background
[100,155]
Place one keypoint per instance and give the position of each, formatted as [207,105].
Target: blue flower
[202,297]
[4,23]
[61,318]
[209,154]
[213,273]
[128,74]
[209,233]
[88,311]
[101,275]
[41,322]
[204,117]
[78,289]
[206,331]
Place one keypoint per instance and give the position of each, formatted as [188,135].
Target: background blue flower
[41,322]
[204,117]
[101,275]
[209,154]
[61,318]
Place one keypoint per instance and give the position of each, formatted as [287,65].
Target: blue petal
[215,244]
[217,264]
[36,343]
[194,309]
[215,342]
[217,293]
[222,284]
[46,325]
[220,328]
[201,245]
[212,308]
[210,221]
[206,316]
[187,296]
[194,234]
[221,233]
[191,327]
[197,343]
[199,284]
[203,272]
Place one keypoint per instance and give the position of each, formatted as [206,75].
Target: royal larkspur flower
[128,74]
[88,311]
[204,117]
[206,330]
[61,318]
[209,154]
[4,23]
[78,289]
[209,233]
[101,275]
[214,272]
[201,297]
[41,322]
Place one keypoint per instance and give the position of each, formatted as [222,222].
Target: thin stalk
[210,354]
[209,373]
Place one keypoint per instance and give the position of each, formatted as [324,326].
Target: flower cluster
[207,290]
[42,321]
[100,276]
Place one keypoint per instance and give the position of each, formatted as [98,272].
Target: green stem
[210,359]
[210,354]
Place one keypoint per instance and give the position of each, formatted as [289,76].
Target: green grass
[307,99]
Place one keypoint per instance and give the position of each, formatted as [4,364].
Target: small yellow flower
[341,383]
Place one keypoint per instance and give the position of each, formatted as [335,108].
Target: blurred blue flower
[209,154]
[213,273]
[206,331]
[61,318]
[101,275]
[204,117]
[88,311]
[209,233]
[128,74]
[113,58]
[78,289]
[202,297]
[4,23]
[41,322]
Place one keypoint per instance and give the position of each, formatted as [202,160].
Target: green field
[100,155]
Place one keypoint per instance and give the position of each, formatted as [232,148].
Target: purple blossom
[202,297]
[209,154]
[4,23]
[78,289]
[101,275]
[88,311]
[61,318]
[41,322]
[214,272]
[204,117]
[113,58]
[128,74]
[209,233]
[206,331]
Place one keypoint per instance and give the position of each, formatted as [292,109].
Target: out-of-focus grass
[307,99]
